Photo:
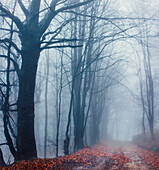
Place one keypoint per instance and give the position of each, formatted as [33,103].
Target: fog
[95,85]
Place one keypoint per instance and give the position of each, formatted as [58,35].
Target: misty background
[110,71]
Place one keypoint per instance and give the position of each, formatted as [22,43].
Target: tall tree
[147,85]
[145,67]
[46,104]
[99,36]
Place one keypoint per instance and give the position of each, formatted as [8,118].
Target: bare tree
[46,104]
[145,72]
[147,89]
[81,64]
[59,101]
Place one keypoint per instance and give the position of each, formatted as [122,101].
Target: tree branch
[3,144]
[73,6]
[15,19]
[45,22]
[62,40]
[25,11]
[5,29]
[62,46]
[113,18]
[14,63]
[56,32]
[6,40]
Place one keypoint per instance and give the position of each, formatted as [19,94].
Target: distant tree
[46,104]
[97,106]
[147,85]
[59,88]
[99,36]
[81,75]
[145,70]
[38,92]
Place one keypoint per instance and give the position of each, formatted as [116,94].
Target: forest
[79,84]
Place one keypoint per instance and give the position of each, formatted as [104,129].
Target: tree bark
[26,147]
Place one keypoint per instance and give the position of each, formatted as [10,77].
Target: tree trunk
[46,105]
[143,124]
[2,162]
[152,129]
[26,147]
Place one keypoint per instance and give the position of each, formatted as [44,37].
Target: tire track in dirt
[137,163]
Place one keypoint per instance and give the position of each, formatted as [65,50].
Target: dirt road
[122,156]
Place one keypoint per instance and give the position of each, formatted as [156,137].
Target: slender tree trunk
[143,107]
[67,138]
[143,123]
[46,104]
[59,107]
[37,124]
[56,107]
[26,146]
[151,125]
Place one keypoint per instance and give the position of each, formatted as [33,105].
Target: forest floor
[110,156]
